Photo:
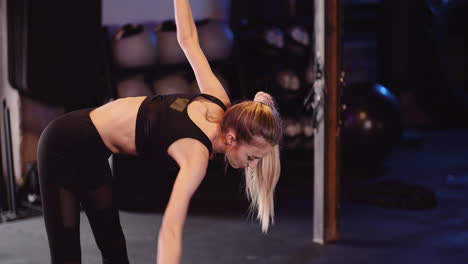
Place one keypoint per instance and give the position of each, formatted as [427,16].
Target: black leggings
[74,171]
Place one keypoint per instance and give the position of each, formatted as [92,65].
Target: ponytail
[260,184]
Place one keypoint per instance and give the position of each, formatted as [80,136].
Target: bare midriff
[115,123]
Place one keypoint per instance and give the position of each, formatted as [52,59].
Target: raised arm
[191,173]
[186,29]
[187,37]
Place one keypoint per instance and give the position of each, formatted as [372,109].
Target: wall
[125,11]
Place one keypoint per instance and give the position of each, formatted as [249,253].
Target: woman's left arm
[187,36]
[186,29]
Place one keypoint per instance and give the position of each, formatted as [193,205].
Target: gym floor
[368,233]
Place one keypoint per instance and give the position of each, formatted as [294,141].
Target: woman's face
[242,155]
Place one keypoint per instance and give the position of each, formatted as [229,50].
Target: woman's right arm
[187,37]
[191,173]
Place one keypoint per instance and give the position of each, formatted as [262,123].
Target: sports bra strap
[214,100]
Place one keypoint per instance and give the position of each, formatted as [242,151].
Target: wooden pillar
[333,30]
[327,103]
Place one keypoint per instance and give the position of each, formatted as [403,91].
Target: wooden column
[327,101]
[333,30]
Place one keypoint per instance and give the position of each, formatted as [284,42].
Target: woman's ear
[230,137]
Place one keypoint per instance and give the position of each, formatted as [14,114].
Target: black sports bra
[162,120]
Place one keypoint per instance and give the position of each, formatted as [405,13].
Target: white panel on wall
[11,96]
[117,12]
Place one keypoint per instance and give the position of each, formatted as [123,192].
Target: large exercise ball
[371,124]
[169,50]
[216,39]
[133,46]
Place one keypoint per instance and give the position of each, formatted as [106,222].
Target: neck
[218,143]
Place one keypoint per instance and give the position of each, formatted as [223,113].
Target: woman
[186,129]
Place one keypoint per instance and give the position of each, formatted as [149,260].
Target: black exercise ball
[371,124]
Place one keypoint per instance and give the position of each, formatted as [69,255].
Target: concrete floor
[369,234]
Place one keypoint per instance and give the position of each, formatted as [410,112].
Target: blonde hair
[250,119]
[260,184]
